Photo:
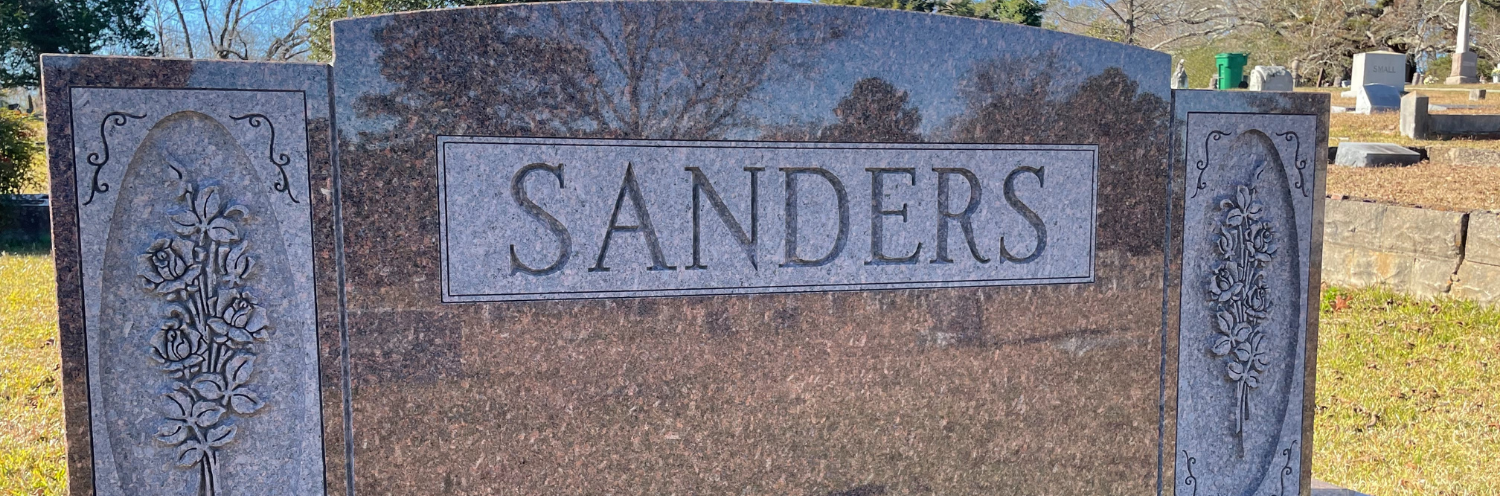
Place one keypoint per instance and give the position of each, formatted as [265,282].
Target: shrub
[20,151]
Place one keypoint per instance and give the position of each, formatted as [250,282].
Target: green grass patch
[32,447]
[1408,391]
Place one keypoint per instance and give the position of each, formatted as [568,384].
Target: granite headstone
[1387,68]
[683,248]
[1375,98]
[1270,78]
[1375,155]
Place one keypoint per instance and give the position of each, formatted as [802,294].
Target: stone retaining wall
[1418,251]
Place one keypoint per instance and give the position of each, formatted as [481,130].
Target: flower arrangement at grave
[205,342]
[1241,302]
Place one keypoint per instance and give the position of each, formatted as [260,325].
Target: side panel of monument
[1249,171]
[187,198]
[751,248]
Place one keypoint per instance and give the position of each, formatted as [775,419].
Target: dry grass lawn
[1382,127]
[1432,185]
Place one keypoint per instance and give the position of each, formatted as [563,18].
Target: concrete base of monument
[1461,80]
[1320,488]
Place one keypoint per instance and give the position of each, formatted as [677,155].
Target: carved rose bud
[240,318]
[1223,286]
[177,346]
[1259,298]
[1263,240]
[166,266]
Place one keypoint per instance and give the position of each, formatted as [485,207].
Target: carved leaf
[179,405]
[189,454]
[172,432]
[239,369]
[1255,210]
[209,386]
[1242,352]
[237,265]
[1235,216]
[1223,346]
[223,230]
[1241,332]
[1226,324]
[220,436]
[206,413]
[226,330]
[244,401]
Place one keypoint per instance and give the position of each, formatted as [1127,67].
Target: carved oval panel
[1241,319]
[203,377]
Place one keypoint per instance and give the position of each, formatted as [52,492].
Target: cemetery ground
[1436,183]
[1407,389]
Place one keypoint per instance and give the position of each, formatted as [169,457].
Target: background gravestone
[684,247]
[1378,98]
[1270,78]
[1387,68]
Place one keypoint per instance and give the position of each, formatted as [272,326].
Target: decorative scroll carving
[1287,469]
[1297,160]
[1190,480]
[205,342]
[280,160]
[116,119]
[1239,296]
[1202,165]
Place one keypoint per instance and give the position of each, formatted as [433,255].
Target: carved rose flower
[1224,286]
[167,266]
[240,318]
[177,346]
[1262,240]
[1258,299]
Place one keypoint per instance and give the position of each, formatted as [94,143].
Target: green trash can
[1231,69]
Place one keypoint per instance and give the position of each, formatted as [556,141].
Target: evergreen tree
[29,28]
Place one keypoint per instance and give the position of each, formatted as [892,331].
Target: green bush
[20,151]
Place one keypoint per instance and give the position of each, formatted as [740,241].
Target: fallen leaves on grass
[1426,184]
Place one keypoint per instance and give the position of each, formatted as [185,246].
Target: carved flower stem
[208,484]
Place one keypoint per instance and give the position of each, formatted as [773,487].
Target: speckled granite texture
[1251,176]
[1039,389]
[184,227]
[913,377]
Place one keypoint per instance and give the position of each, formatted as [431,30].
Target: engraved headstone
[683,247]
[1270,78]
[1387,68]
